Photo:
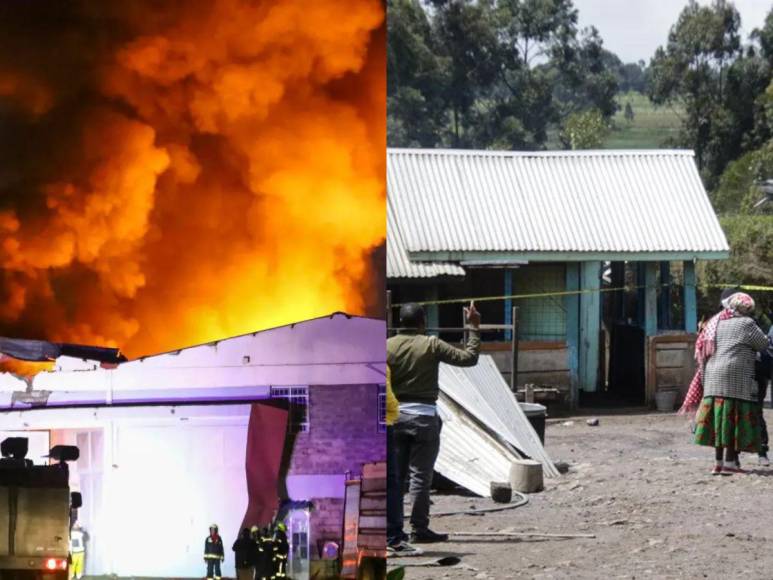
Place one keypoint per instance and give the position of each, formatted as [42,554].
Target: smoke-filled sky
[177,171]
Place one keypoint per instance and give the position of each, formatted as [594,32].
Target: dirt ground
[643,488]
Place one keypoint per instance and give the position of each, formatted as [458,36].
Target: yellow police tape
[746,287]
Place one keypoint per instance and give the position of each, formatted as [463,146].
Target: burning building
[220,432]
[178,171]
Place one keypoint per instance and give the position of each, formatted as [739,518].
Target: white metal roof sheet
[483,393]
[469,455]
[398,264]
[584,201]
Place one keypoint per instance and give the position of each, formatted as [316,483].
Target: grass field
[651,126]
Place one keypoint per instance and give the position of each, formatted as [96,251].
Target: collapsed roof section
[42,351]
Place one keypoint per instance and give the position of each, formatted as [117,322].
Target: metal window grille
[382,410]
[298,397]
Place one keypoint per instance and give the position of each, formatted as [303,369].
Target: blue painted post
[640,294]
[590,325]
[508,303]
[664,306]
[433,314]
[690,300]
[572,305]
[650,298]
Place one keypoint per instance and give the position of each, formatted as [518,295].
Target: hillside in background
[652,127]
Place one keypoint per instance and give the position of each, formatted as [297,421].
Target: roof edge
[573,256]
[553,153]
[262,330]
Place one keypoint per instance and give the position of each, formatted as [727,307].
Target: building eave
[460,256]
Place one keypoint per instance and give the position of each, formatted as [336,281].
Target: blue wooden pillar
[590,324]
[508,302]
[641,293]
[572,305]
[650,298]
[690,302]
[664,303]
[433,314]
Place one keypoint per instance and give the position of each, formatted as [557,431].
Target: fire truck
[36,512]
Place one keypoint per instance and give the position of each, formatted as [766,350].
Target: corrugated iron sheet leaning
[484,428]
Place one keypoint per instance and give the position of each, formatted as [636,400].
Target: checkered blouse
[730,371]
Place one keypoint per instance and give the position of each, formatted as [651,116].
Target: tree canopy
[705,66]
[492,73]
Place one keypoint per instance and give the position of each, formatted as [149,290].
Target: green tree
[416,79]
[548,71]
[764,36]
[751,253]
[585,130]
[633,77]
[704,67]
[467,40]
[587,77]
[491,73]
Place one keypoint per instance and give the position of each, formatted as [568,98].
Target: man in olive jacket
[413,359]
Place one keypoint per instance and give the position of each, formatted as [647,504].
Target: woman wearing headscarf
[728,418]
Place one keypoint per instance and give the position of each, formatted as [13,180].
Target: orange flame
[217,169]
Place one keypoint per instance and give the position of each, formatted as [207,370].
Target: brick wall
[327,522]
[343,434]
[343,431]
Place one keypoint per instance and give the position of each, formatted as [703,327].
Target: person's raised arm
[462,357]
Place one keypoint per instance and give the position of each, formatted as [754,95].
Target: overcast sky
[633,29]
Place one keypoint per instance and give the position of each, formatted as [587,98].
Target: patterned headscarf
[738,304]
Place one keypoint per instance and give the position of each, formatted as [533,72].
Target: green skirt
[730,423]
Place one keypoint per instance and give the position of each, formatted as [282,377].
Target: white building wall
[153,480]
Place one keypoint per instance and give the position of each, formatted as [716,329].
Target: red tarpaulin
[265,442]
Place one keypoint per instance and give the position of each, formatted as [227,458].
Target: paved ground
[640,485]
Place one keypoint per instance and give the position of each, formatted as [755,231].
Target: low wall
[539,363]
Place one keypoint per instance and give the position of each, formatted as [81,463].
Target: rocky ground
[642,488]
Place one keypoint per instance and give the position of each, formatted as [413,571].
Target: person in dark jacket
[762,374]
[281,551]
[245,555]
[414,359]
[213,553]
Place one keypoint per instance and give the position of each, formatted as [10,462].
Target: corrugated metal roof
[482,392]
[586,201]
[469,455]
[398,264]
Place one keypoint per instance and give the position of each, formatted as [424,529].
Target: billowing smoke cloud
[174,172]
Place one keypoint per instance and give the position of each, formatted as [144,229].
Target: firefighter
[281,551]
[77,553]
[213,553]
[264,567]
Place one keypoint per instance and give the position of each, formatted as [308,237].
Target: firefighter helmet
[213,527]
[254,529]
[281,526]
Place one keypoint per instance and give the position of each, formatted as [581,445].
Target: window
[382,409]
[298,398]
[541,318]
